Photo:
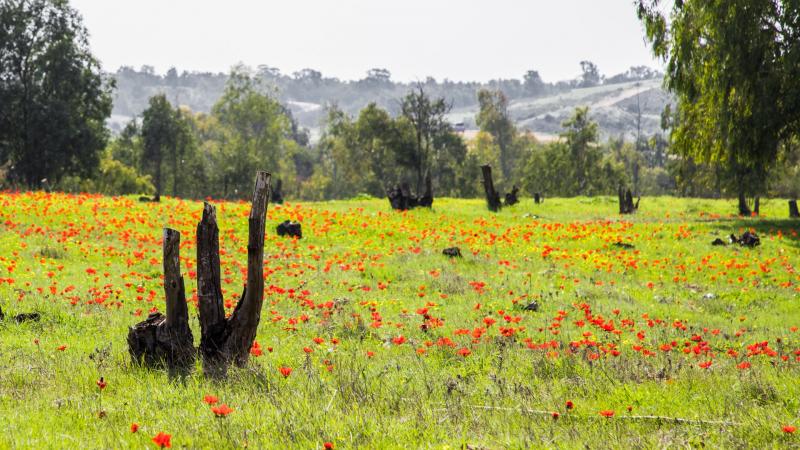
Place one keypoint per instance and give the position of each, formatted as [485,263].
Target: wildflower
[370,354]
[789,429]
[464,352]
[569,404]
[101,383]
[134,427]
[61,348]
[328,446]
[399,340]
[556,415]
[285,371]
[607,413]
[705,364]
[744,365]
[162,440]
[221,410]
[210,399]
[255,350]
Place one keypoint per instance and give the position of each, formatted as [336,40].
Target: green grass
[92,265]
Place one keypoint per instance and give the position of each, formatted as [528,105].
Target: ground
[393,345]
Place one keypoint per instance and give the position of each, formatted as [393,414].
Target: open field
[393,345]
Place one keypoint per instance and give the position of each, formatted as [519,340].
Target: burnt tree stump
[166,339]
[492,197]
[511,197]
[401,199]
[794,213]
[538,198]
[289,228]
[276,193]
[228,340]
[626,205]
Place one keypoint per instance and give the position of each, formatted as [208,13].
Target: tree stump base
[401,199]
[289,228]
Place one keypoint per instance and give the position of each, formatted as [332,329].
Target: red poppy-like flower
[399,340]
[789,429]
[744,365]
[101,383]
[134,427]
[255,350]
[705,364]
[607,413]
[210,399]
[61,348]
[308,349]
[328,446]
[318,340]
[162,440]
[464,352]
[221,410]
[370,354]
[569,404]
[285,371]
[556,415]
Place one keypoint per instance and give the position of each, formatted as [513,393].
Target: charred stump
[538,198]
[166,339]
[276,193]
[794,213]
[626,205]
[228,340]
[401,199]
[511,197]
[492,197]
[289,228]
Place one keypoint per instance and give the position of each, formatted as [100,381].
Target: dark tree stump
[426,201]
[492,197]
[166,340]
[401,199]
[276,193]
[794,213]
[538,198]
[289,228]
[452,252]
[511,197]
[757,206]
[228,340]
[626,205]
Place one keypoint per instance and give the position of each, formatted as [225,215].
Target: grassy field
[671,343]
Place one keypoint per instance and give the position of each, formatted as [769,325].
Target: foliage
[54,99]
[734,66]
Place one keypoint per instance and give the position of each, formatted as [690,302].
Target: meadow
[371,338]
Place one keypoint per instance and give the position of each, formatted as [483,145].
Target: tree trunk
[626,205]
[225,341]
[166,339]
[757,205]
[492,197]
[794,213]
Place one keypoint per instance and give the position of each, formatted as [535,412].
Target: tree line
[732,132]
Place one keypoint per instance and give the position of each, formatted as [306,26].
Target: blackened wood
[794,213]
[276,193]
[213,326]
[744,210]
[166,340]
[511,197]
[492,197]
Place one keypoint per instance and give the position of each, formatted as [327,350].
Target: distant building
[459,127]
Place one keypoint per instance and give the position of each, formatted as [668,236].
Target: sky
[467,40]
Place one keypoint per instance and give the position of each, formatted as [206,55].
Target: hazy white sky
[460,40]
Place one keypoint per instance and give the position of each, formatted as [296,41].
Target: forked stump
[166,340]
[161,340]
[228,340]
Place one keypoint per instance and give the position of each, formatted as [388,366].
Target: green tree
[53,99]
[254,133]
[493,118]
[580,136]
[160,138]
[733,66]
[435,143]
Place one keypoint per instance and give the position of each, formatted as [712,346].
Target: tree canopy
[54,99]
[734,66]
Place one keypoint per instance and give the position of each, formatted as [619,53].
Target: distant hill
[616,103]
